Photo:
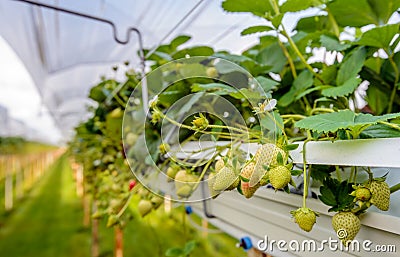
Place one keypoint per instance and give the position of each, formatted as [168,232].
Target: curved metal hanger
[145,97]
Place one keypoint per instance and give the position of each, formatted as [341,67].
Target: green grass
[49,223]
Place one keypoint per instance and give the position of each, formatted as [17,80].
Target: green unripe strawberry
[157,200]
[219,165]
[144,207]
[346,225]
[247,171]
[380,195]
[266,156]
[211,72]
[361,193]
[184,191]
[224,179]
[305,218]
[184,183]
[180,178]
[210,182]
[233,185]
[279,177]
[171,173]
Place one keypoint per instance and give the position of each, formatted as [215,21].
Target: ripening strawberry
[132,184]
[266,156]
[305,218]
[380,195]
[144,207]
[362,195]
[247,171]
[279,177]
[346,225]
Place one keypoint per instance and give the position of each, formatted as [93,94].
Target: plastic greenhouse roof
[66,54]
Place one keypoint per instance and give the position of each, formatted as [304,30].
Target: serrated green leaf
[346,119]
[380,131]
[266,83]
[353,13]
[342,192]
[189,247]
[347,88]
[245,93]
[216,88]
[300,84]
[255,29]
[377,98]
[291,147]
[296,5]
[332,44]
[313,23]
[351,66]
[257,7]
[192,70]
[97,94]
[277,20]
[273,57]
[269,122]
[321,172]
[379,37]
[327,196]
[296,172]
[179,40]
[193,51]
[174,252]
[384,9]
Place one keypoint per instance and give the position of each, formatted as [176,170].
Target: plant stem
[395,188]
[293,116]
[338,175]
[275,6]
[321,110]
[333,22]
[305,184]
[394,90]
[392,125]
[299,54]
[287,55]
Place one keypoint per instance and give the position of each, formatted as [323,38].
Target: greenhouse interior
[221,128]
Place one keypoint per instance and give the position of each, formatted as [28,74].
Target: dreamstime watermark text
[330,244]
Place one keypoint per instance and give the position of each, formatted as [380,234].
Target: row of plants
[272,94]
[111,191]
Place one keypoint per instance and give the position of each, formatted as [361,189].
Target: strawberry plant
[297,84]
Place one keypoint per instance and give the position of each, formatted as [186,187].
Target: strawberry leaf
[345,89]
[346,119]
[336,194]
[255,29]
[291,147]
[244,179]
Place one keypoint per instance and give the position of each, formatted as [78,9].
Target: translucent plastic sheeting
[67,54]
